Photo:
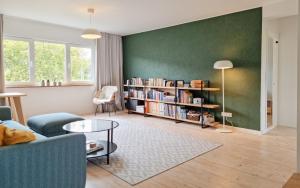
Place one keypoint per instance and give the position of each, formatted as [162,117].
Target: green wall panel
[188,52]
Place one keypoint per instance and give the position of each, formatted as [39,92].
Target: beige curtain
[110,64]
[2,78]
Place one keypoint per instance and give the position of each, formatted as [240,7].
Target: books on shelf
[185,96]
[135,81]
[161,109]
[136,93]
[125,93]
[157,82]
[169,98]
[160,96]
[181,112]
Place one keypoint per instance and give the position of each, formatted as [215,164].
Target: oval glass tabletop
[90,125]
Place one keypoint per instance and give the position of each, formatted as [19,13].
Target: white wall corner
[263,89]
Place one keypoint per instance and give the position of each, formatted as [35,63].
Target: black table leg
[108,145]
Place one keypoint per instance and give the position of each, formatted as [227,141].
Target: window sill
[37,86]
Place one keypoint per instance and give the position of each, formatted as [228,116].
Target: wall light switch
[226,114]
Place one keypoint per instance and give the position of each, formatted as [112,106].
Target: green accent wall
[188,52]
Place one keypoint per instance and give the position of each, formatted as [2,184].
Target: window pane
[81,64]
[49,61]
[16,61]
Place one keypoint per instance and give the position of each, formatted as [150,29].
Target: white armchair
[106,97]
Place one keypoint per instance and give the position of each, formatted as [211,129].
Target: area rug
[144,151]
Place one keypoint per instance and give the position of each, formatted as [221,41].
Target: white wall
[287,88]
[76,99]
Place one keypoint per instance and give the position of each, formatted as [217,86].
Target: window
[81,64]
[16,61]
[30,62]
[49,61]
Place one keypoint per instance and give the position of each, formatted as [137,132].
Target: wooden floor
[244,160]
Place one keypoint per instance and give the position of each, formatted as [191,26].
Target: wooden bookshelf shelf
[140,86]
[160,87]
[134,98]
[150,100]
[208,106]
[132,111]
[158,93]
[214,124]
[157,115]
[199,89]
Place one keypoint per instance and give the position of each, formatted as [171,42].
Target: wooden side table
[14,101]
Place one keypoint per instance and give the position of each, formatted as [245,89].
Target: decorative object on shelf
[43,83]
[193,115]
[170,83]
[92,146]
[91,33]
[207,118]
[222,65]
[197,84]
[179,83]
[198,101]
[48,83]
[140,108]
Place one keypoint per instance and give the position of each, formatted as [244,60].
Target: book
[92,146]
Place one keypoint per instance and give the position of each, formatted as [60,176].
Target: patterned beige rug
[144,151]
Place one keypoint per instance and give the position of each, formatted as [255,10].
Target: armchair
[106,97]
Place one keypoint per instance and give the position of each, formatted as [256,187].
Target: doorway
[272,81]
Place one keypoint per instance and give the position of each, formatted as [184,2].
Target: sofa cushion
[51,124]
[15,125]
[10,136]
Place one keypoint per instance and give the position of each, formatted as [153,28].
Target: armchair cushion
[106,95]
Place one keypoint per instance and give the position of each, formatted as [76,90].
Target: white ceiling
[124,16]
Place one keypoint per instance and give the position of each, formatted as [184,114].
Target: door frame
[264,94]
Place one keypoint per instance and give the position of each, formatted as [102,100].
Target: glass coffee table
[96,125]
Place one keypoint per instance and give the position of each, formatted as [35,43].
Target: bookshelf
[150,98]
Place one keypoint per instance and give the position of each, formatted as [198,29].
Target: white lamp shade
[223,64]
[91,34]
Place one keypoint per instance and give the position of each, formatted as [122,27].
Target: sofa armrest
[5,113]
[58,162]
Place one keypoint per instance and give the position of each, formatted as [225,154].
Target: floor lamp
[222,65]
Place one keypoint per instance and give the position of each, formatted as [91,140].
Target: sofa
[55,162]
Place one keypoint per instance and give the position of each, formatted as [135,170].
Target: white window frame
[30,63]
[67,63]
[92,64]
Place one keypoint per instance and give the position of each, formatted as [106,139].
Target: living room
[149,94]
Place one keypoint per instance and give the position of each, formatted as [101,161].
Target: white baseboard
[248,131]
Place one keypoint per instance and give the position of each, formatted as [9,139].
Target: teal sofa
[56,162]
